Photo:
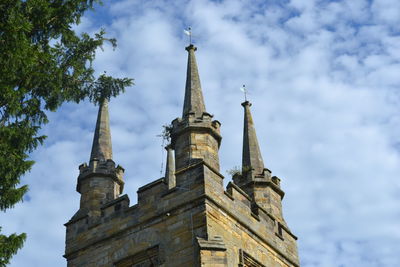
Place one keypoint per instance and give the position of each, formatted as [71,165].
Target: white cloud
[323,82]
[386,11]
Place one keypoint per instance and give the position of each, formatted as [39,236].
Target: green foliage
[234,171]
[166,133]
[106,86]
[44,63]
[9,246]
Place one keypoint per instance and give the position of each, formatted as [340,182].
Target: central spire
[195,137]
[102,148]
[194,102]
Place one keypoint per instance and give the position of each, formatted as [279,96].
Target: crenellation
[101,167]
[148,194]
[115,207]
[238,194]
[277,182]
[163,201]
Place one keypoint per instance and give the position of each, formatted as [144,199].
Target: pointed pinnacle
[251,157]
[170,168]
[102,147]
[194,101]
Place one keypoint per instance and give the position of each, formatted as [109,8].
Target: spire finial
[251,157]
[194,101]
[188,32]
[244,90]
[102,147]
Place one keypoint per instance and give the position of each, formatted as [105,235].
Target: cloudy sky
[322,79]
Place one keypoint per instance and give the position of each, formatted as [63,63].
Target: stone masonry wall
[194,146]
[197,223]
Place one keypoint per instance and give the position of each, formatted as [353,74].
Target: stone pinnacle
[102,147]
[194,102]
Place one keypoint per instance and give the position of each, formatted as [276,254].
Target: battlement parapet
[202,124]
[196,184]
[101,168]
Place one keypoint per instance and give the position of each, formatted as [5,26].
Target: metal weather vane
[188,32]
[245,91]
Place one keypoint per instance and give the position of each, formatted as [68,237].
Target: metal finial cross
[188,32]
[244,90]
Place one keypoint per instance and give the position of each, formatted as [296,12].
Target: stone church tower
[186,218]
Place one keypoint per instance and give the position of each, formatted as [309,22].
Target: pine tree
[44,63]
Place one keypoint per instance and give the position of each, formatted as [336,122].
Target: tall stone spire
[195,137]
[102,147]
[251,157]
[194,102]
